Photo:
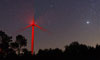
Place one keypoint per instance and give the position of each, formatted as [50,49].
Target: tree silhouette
[75,51]
[14,45]
[21,41]
[26,52]
[50,52]
[4,42]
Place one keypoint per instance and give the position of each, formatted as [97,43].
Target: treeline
[17,48]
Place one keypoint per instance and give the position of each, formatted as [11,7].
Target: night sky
[68,20]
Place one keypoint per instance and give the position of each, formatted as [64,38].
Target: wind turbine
[33,25]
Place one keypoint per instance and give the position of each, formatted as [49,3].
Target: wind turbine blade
[40,27]
[24,28]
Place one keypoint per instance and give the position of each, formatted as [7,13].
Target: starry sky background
[68,20]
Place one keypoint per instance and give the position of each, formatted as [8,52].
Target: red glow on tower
[32,42]
[32,25]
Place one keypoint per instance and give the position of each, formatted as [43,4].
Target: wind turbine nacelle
[33,24]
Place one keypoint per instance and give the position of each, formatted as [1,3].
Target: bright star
[87,22]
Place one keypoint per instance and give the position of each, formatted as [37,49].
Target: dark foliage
[13,49]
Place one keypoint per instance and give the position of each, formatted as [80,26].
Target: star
[87,22]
